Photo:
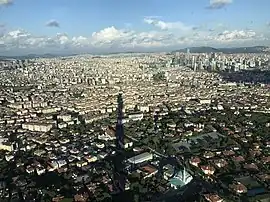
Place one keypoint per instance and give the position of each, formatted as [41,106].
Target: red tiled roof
[212,198]
[149,169]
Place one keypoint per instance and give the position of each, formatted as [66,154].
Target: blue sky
[106,25]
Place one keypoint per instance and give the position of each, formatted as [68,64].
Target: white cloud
[167,25]
[218,4]
[121,38]
[110,35]
[6,2]
[152,39]
[113,39]
[236,35]
[62,38]
[18,34]
[80,41]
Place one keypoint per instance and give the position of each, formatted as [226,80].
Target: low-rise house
[81,163]
[207,169]
[238,159]
[238,187]
[213,198]
[265,159]
[220,163]
[91,159]
[251,166]
[40,170]
[30,169]
[195,161]
[228,153]
[148,170]
[208,154]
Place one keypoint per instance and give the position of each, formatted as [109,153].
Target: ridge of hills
[199,49]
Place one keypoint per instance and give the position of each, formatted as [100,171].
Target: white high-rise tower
[193,63]
[143,75]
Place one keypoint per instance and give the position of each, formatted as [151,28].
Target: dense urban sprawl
[192,130]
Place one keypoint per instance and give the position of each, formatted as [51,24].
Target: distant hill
[200,49]
[32,56]
[254,49]
[207,49]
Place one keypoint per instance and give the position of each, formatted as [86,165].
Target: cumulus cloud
[53,23]
[268,24]
[110,35]
[6,2]
[115,39]
[237,35]
[80,41]
[121,38]
[218,4]
[167,25]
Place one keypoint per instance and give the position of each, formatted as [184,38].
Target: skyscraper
[193,65]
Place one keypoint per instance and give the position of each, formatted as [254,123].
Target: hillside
[207,49]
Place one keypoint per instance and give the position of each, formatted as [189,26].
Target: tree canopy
[160,76]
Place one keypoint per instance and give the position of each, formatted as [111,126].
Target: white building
[141,158]
[135,117]
[64,117]
[4,146]
[39,127]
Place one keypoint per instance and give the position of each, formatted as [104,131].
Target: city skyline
[103,26]
[167,126]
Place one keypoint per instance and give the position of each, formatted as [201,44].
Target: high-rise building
[193,63]
[143,74]
[195,67]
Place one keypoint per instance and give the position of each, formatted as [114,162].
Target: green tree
[160,76]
